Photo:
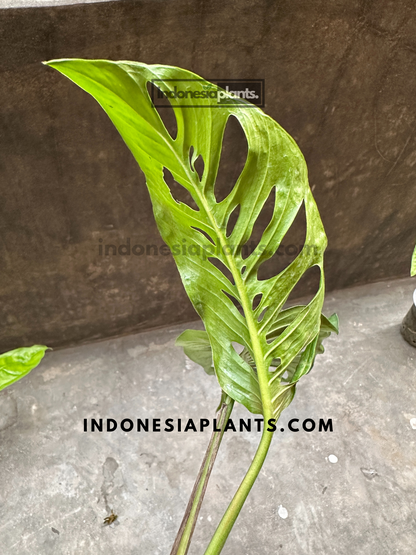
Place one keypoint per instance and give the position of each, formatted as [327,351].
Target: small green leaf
[19,362]
[413,268]
[330,324]
[197,347]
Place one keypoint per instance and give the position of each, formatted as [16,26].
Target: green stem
[183,538]
[227,522]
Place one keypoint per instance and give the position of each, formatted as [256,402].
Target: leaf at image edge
[15,364]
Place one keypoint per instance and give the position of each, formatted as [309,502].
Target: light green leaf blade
[197,347]
[413,267]
[274,165]
[19,362]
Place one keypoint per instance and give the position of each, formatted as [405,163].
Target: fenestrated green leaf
[274,164]
[19,362]
[413,267]
[197,347]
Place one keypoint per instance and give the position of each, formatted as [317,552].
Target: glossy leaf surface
[222,293]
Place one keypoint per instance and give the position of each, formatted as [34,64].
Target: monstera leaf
[19,362]
[413,268]
[223,299]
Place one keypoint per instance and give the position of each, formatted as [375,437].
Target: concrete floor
[58,483]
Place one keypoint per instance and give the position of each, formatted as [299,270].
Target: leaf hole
[238,348]
[260,225]
[205,234]
[178,192]
[291,245]
[163,108]
[235,301]
[232,220]
[262,313]
[197,165]
[276,362]
[233,158]
[243,269]
[222,267]
[256,300]
[306,288]
[245,355]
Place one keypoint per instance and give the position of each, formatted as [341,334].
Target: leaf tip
[40,347]
[53,63]
[335,322]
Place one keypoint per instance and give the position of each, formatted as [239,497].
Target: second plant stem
[183,538]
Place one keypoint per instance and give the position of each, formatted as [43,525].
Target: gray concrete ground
[58,483]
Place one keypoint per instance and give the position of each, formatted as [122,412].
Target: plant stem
[227,522]
[183,538]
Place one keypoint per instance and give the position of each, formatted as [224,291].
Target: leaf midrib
[245,302]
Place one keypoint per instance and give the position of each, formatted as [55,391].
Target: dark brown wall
[340,77]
